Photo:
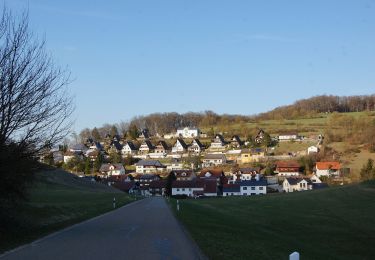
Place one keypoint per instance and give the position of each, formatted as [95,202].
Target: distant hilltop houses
[187,164]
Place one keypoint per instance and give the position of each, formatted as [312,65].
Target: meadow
[332,223]
[56,200]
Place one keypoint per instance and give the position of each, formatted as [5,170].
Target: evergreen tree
[133,131]
[98,162]
[368,170]
[113,131]
[95,134]
[87,166]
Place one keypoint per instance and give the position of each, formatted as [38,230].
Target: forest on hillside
[163,123]
[321,104]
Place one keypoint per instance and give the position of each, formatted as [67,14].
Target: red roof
[214,173]
[328,165]
[210,186]
[287,164]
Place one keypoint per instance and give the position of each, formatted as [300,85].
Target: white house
[315,179]
[231,190]
[129,149]
[149,166]
[257,186]
[287,168]
[312,149]
[296,184]
[214,159]
[288,137]
[218,143]
[196,146]
[146,147]
[188,188]
[327,168]
[188,132]
[245,174]
[180,146]
[112,169]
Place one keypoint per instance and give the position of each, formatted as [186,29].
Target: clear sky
[138,57]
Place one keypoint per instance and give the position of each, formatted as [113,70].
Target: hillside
[57,199]
[335,223]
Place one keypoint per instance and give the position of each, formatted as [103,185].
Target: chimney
[257,177]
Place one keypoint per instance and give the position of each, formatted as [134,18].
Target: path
[142,230]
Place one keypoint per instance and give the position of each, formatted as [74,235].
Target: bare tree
[34,103]
[34,107]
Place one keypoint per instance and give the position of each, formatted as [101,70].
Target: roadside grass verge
[57,200]
[335,223]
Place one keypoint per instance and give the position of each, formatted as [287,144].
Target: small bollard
[294,256]
[114,202]
[178,206]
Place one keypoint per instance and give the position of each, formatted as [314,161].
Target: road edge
[66,229]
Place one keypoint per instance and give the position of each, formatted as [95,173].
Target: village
[188,168]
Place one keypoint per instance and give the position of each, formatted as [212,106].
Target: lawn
[335,223]
[57,200]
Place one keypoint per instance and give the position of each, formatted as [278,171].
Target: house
[129,148]
[312,150]
[149,166]
[259,137]
[327,168]
[218,143]
[210,188]
[158,187]
[146,147]
[146,179]
[216,174]
[188,132]
[175,164]
[196,147]
[255,186]
[296,184]
[214,159]
[115,146]
[184,175]
[244,174]
[288,137]
[145,134]
[162,148]
[111,169]
[315,179]
[233,155]
[287,168]
[78,148]
[187,188]
[92,154]
[180,146]
[68,155]
[231,190]
[236,141]
[252,155]
[127,186]
[96,146]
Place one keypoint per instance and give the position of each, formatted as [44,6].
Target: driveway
[142,230]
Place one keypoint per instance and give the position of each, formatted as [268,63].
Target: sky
[130,58]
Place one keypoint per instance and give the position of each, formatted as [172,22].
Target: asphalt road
[142,230]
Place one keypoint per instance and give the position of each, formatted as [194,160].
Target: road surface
[142,230]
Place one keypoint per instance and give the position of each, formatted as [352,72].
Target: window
[252,188]
[183,189]
[244,194]
[178,189]
[244,188]
[260,188]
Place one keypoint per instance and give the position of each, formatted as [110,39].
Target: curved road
[142,230]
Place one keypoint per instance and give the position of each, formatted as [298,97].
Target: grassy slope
[335,223]
[57,200]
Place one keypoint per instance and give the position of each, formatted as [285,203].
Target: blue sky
[137,57]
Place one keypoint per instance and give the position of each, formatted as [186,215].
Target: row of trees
[321,104]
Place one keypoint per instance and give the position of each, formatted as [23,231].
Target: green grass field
[335,223]
[57,200]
